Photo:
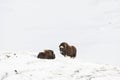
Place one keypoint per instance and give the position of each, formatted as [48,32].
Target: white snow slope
[25,66]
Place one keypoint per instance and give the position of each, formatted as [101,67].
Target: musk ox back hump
[49,54]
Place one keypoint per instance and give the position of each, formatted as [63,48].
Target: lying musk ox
[67,50]
[47,54]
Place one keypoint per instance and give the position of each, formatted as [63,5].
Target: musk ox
[67,50]
[47,54]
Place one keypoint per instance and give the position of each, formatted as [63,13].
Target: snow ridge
[25,66]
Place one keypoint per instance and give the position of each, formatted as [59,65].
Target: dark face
[41,55]
[63,47]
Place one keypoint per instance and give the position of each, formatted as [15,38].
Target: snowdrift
[25,66]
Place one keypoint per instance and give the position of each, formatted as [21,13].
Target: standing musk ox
[47,54]
[67,50]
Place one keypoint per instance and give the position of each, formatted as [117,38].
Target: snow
[30,26]
[26,66]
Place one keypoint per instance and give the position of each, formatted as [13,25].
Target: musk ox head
[67,50]
[47,54]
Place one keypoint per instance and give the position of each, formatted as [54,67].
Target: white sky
[34,25]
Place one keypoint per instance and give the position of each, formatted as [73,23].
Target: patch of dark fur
[47,54]
[67,50]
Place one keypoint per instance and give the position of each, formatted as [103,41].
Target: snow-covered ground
[25,66]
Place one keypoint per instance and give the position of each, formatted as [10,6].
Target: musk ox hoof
[47,54]
[67,50]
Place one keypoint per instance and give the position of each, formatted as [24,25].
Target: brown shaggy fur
[67,50]
[47,54]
